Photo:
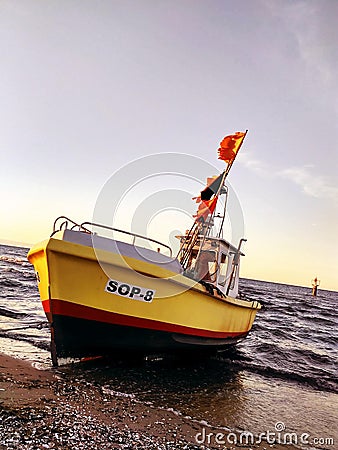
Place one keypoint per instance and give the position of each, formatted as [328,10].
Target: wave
[10,283]
[12,314]
[37,341]
[18,272]
[320,378]
[14,260]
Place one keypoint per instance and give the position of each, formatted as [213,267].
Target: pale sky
[87,87]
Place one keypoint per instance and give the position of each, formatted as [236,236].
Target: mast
[202,224]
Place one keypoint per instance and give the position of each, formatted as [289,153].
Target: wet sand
[43,409]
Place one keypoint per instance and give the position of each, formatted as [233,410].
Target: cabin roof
[220,240]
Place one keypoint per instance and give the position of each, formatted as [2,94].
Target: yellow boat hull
[99,302]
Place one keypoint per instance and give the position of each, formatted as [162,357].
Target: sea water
[281,379]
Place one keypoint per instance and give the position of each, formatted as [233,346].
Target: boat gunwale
[184,281]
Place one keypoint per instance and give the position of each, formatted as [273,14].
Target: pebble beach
[42,409]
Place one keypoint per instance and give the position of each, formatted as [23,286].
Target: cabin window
[222,270]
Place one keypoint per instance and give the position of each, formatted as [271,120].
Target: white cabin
[216,262]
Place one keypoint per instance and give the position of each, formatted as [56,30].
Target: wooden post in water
[315,284]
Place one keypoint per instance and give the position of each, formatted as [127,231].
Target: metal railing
[70,224]
[64,225]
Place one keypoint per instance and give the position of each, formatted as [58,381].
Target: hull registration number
[128,290]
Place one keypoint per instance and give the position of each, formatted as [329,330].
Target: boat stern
[37,256]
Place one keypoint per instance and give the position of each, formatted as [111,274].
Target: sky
[88,87]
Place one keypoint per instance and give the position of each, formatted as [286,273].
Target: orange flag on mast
[229,146]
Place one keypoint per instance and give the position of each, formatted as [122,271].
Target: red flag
[205,208]
[229,146]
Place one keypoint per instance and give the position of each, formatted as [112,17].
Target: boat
[128,294]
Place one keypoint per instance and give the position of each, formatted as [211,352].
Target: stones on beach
[60,423]
[60,411]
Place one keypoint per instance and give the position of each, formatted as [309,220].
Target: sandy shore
[42,409]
